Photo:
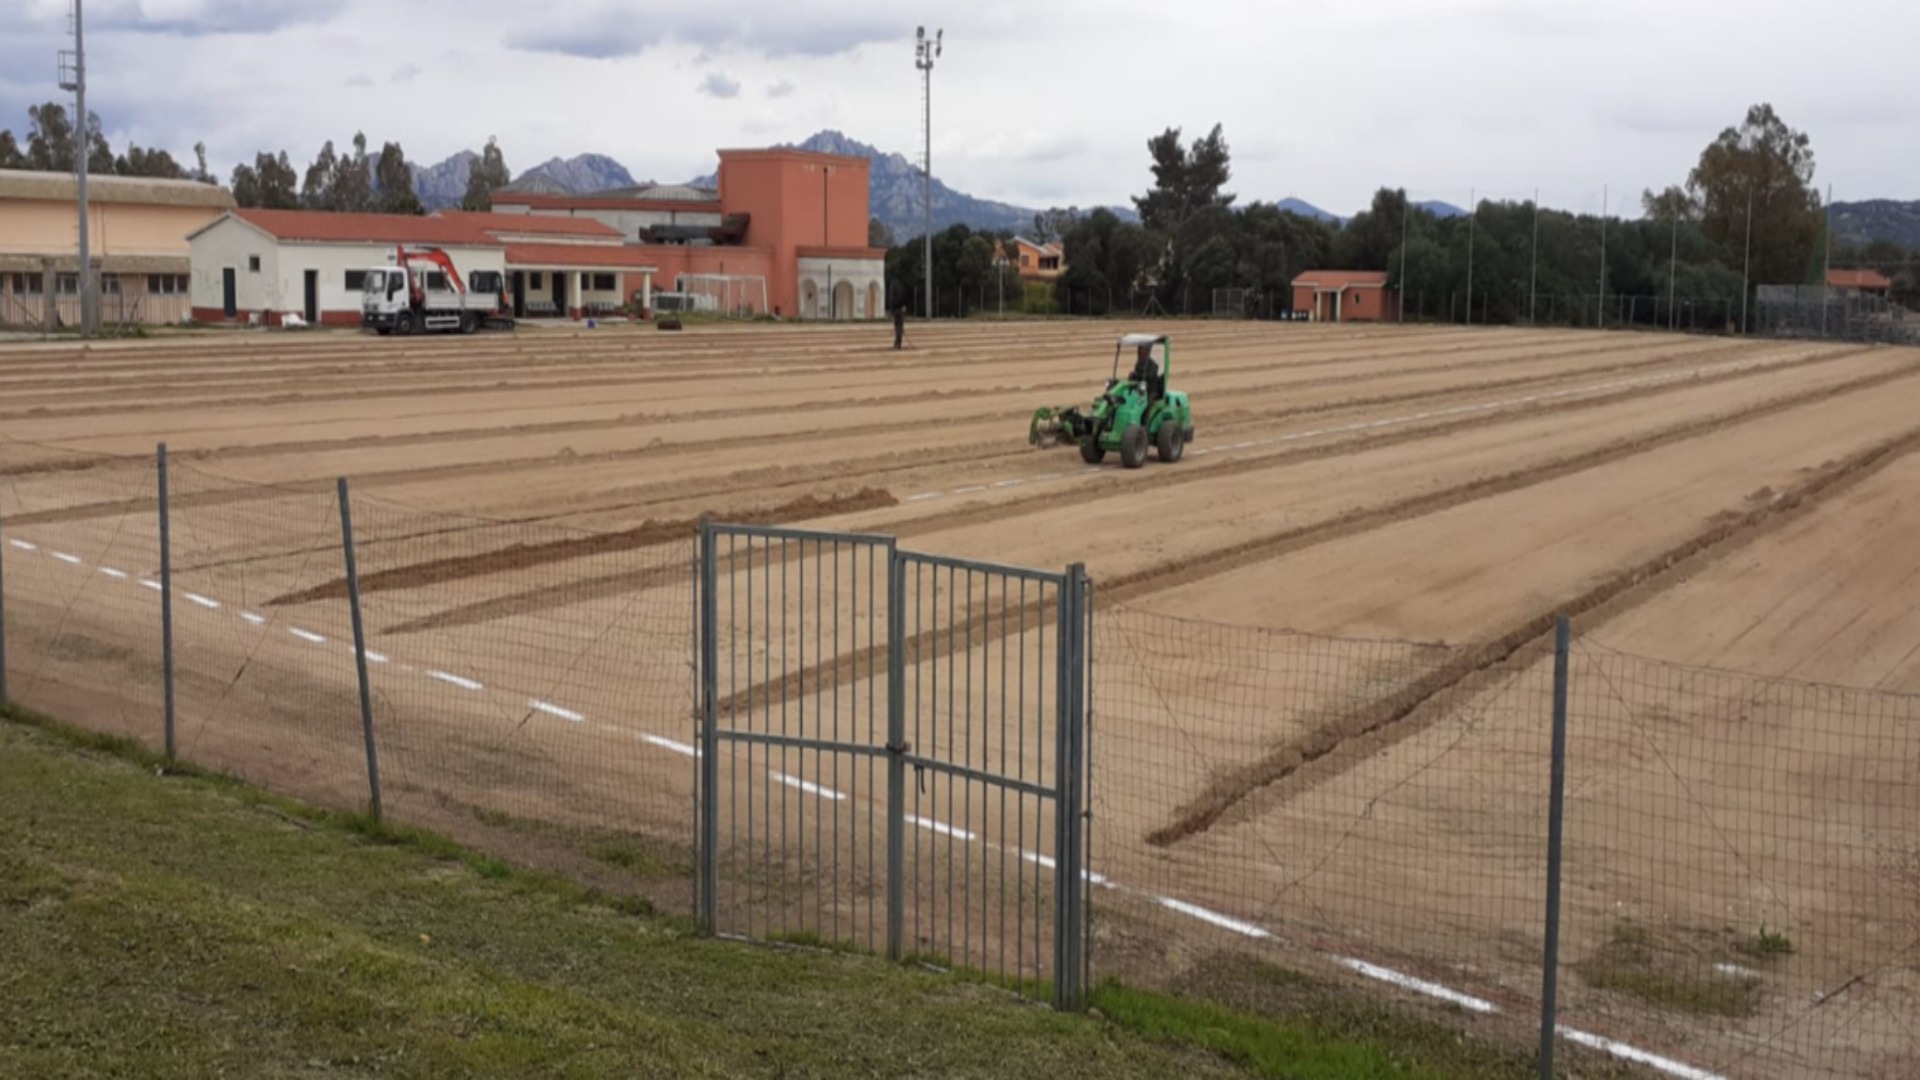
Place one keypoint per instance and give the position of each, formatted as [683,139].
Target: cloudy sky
[1040,102]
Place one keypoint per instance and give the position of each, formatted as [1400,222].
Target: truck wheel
[1172,442]
[468,324]
[1091,451]
[1133,446]
[403,323]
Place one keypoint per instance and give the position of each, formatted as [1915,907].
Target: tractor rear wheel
[1091,451]
[1172,442]
[1133,446]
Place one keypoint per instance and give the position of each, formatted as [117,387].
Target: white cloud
[1032,103]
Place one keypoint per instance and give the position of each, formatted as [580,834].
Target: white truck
[421,292]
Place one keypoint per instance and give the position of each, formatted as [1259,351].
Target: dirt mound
[522,556]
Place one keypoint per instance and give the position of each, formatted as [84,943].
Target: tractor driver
[1147,374]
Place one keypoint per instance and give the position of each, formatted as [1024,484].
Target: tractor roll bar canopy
[1134,341]
[1142,341]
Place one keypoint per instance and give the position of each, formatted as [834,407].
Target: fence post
[1556,808]
[1068,881]
[709,764]
[166,599]
[360,648]
[896,750]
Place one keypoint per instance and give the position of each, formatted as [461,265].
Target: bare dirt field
[1322,641]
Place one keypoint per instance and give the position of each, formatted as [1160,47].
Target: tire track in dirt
[1355,734]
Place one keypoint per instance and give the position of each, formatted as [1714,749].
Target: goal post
[1230,303]
[730,296]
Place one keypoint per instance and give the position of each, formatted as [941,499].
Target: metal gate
[894,752]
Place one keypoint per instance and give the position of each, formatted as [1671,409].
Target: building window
[253,264]
[536,280]
[1025,259]
[356,280]
[1050,262]
[67,284]
[26,284]
[601,282]
[167,284]
[110,284]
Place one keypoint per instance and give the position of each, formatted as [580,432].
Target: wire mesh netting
[1741,856]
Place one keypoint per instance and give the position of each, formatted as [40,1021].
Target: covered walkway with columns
[574,281]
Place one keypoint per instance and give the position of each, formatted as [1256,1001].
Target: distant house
[1033,262]
[1859,283]
[1345,296]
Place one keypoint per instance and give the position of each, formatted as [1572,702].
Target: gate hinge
[898,749]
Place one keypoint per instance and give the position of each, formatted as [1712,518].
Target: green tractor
[1132,414]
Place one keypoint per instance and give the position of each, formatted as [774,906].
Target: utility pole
[1473,211]
[1406,211]
[1673,270]
[1746,268]
[1600,309]
[1533,271]
[1826,272]
[925,53]
[73,76]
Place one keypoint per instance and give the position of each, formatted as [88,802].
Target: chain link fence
[1738,882]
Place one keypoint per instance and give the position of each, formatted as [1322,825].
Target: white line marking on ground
[376,657]
[551,709]
[117,575]
[969,490]
[809,787]
[1038,859]
[1418,986]
[306,635]
[25,545]
[1008,483]
[1048,476]
[1225,922]
[460,681]
[925,495]
[203,601]
[1635,1054]
[70,560]
[941,827]
[154,585]
[665,743]
[256,620]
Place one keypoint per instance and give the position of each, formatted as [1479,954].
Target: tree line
[353,180]
[1747,211]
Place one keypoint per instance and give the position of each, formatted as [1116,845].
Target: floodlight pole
[1673,271]
[73,72]
[1746,267]
[1600,307]
[1406,211]
[925,53]
[1473,211]
[1533,270]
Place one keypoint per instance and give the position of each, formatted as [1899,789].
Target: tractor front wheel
[1172,442]
[1133,446]
[1091,451]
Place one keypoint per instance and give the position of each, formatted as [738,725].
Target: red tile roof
[566,256]
[1858,279]
[531,224]
[326,227]
[1340,279]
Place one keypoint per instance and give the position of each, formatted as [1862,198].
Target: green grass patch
[1633,962]
[1765,944]
[186,925]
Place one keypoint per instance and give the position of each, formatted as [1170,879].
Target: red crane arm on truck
[405,258]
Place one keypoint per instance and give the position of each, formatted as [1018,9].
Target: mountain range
[895,190]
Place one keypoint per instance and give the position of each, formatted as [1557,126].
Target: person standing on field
[899,327]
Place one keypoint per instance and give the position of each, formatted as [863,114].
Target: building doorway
[311,309]
[559,294]
[873,301]
[520,294]
[843,300]
[229,288]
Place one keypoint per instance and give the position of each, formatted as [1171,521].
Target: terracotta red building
[1345,296]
